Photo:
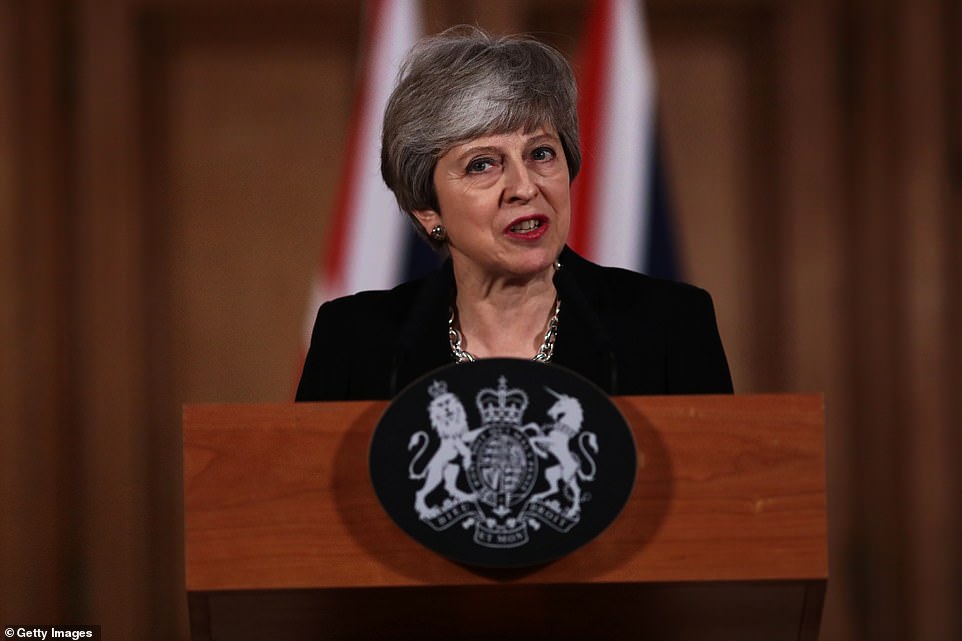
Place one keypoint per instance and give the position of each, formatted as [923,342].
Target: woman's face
[504,202]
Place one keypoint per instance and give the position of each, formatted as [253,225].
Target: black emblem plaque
[503,462]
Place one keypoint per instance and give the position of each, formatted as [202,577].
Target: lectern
[723,537]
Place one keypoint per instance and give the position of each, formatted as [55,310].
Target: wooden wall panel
[896,247]
[12,490]
[38,442]
[923,199]
[110,340]
[951,27]
[254,140]
[814,255]
[244,118]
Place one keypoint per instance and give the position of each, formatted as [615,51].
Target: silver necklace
[544,354]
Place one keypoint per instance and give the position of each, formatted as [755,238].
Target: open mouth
[526,226]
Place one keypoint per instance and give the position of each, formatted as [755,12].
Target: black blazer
[626,332]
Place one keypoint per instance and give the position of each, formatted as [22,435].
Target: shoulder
[381,301]
[662,335]
[614,287]
[353,342]
[370,316]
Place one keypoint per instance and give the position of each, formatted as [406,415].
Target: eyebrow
[493,149]
[473,151]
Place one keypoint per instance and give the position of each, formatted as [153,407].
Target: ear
[427,218]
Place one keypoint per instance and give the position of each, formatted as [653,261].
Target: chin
[535,264]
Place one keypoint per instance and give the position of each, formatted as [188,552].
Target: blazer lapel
[422,344]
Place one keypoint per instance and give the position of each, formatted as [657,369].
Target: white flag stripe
[375,249]
[621,200]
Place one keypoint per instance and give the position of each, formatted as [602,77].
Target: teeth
[526,225]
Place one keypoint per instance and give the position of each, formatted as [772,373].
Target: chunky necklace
[544,352]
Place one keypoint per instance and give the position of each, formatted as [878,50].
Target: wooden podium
[724,536]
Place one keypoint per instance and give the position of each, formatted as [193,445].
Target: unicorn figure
[567,417]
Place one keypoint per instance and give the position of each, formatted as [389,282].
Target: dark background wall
[167,169]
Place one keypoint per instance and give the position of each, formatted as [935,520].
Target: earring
[439,234]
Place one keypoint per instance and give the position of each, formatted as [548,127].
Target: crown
[501,405]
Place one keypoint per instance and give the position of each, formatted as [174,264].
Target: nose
[519,184]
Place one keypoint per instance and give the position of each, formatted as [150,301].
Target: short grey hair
[464,83]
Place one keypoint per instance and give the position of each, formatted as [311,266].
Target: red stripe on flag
[344,204]
[592,81]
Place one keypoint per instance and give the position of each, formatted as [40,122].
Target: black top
[626,332]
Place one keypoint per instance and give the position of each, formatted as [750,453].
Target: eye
[479,165]
[543,153]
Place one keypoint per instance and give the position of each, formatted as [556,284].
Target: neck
[505,318]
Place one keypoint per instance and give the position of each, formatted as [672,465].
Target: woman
[480,145]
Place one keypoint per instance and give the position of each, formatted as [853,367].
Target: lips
[528,228]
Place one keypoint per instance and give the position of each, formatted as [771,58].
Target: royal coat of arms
[505,476]
[500,474]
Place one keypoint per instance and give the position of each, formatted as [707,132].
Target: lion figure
[450,423]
